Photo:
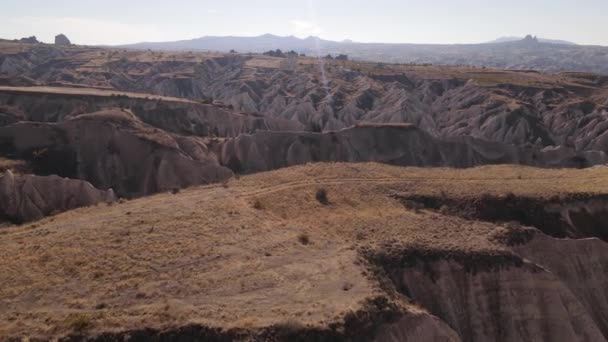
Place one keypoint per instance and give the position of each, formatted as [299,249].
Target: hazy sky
[395,21]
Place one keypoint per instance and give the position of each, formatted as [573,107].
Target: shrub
[175,191]
[258,205]
[413,205]
[321,196]
[79,323]
[304,239]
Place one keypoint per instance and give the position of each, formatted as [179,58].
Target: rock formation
[114,149]
[403,145]
[29,40]
[506,106]
[475,303]
[28,197]
[588,280]
[62,40]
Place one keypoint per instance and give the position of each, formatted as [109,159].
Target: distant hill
[542,40]
[527,53]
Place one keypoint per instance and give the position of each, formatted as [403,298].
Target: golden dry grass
[209,255]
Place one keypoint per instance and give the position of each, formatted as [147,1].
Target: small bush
[413,205]
[79,323]
[258,205]
[304,239]
[347,286]
[321,196]
[175,191]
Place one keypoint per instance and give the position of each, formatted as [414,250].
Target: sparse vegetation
[79,323]
[321,196]
[342,57]
[257,204]
[413,205]
[304,239]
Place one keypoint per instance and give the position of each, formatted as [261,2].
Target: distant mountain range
[508,52]
[542,40]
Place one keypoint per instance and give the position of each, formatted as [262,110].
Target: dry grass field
[250,253]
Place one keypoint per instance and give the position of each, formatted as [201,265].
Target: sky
[114,22]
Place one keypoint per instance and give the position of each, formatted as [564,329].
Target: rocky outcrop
[62,40]
[403,145]
[182,117]
[28,197]
[575,216]
[524,303]
[113,149]
[506,106]
[29,40]
[24,64]
[582,265]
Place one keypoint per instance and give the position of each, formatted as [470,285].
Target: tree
[342,57]
[276,53]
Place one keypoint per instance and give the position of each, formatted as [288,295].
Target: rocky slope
[113,149]
[116,149]
[403,145]
[26,197]
[580,264]
[507,106]
[511,304]
[45,124]
[56,104]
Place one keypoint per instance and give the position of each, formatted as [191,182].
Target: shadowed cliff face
[511,304]
[558,293]
[582,265]
[403,145]
[114,149]
[568,215]
[170,114]
[117,149]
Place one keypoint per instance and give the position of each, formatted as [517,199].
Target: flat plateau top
[248,253]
